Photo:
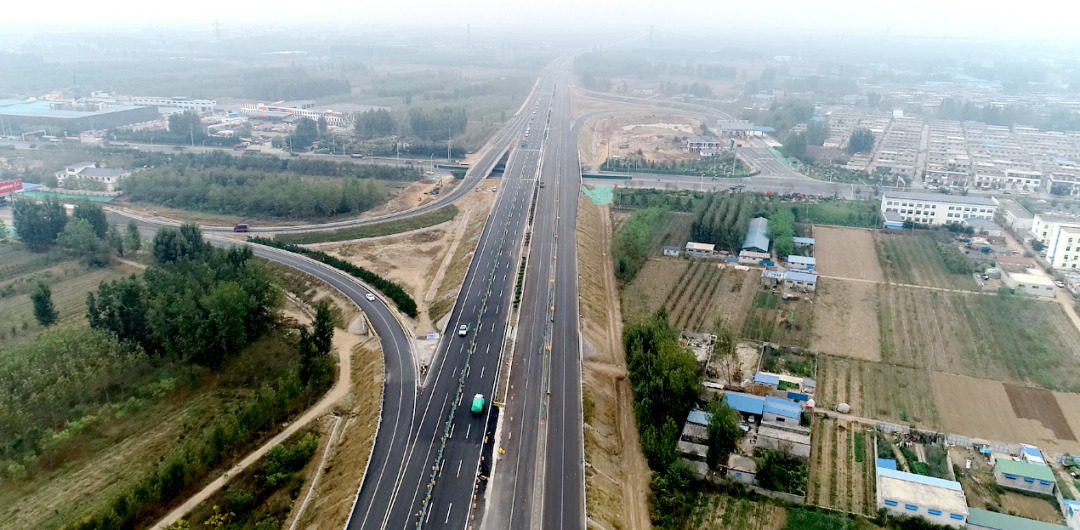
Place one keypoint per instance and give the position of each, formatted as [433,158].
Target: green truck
[478,404]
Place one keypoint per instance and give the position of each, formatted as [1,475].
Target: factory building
[69,118]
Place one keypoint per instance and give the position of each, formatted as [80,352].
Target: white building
[700,250]
[1034,283]
[196,105]
[336,115]
[937,208]
[88,172]
[1059,237]
[939,501]
[1016,216]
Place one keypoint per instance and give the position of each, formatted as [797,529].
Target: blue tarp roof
[745,403]
[803,240]
[755,235]
[797,276]
[886,463]
[763,128]
[763,378]
[801,259]
[912,477]
[699,417]
[782,407]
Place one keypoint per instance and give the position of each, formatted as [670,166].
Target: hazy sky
[1038,19]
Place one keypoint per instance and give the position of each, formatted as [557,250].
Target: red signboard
[9,186]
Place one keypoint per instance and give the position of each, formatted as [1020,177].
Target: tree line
[273,164]
[666,382]
[600,65]
[395,292]
[631,246]
[276,84]
[87,235]
[253,193]
[725,219]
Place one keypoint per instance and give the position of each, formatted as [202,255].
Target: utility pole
[191,127]
[217,31]
[468,36]
[650,35]
[449,138]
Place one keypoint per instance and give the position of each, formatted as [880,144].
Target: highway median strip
[442,215]
[401,299]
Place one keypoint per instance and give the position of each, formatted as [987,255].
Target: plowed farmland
[885,392]
[846,253]
[697,294]
[846,320]
[984,409]
[1005,338]
[841,473]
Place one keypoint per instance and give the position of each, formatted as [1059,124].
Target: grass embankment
[69,281]
[433,218]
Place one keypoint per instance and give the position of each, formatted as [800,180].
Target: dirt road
[343,343]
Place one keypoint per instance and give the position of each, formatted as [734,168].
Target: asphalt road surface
[429,478]
[538,482]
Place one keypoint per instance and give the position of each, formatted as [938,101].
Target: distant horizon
[1038,22]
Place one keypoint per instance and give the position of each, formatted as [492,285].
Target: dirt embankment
[617,476]
[331,498]
[418,260]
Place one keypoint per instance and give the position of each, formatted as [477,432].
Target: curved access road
[498,146]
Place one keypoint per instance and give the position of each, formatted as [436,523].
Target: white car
[1059,283]
[370,297]
[463,330]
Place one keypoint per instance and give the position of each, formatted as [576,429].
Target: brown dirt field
[846,253]
[1030,507]
[415,260]
[336,489]
[1039,404]
[413,194]
[845,320]
[617,479]
[982,409]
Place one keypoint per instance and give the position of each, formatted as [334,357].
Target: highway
[430,477]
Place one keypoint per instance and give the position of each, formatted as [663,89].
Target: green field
[922,260]
[864,214]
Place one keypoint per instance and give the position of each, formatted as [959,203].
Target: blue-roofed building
[699,417]
[763,378]
[776,409]
[747,404]
[887,463]
[800,281]
[64,117]
[756,235]
[803,263]
[939,501]
[803,241]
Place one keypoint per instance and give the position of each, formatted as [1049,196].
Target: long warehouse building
[71,119]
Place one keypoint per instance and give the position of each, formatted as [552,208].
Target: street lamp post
[152,142]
